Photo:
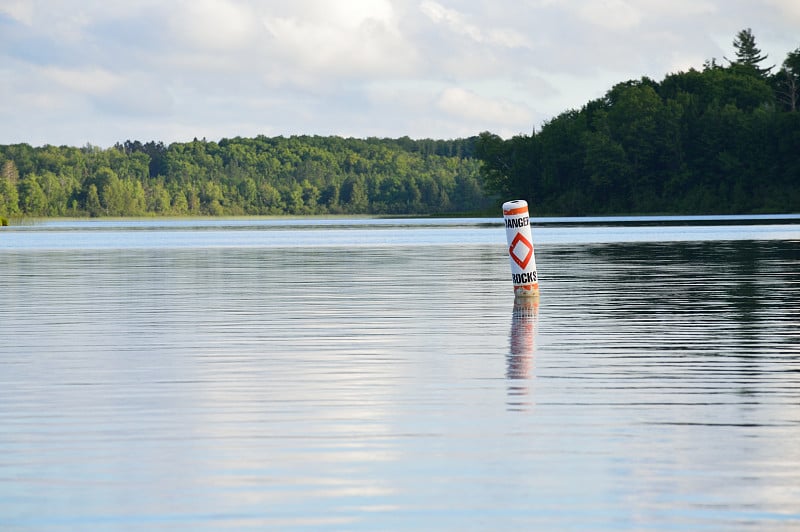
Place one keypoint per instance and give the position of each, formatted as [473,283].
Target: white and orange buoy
[520,249]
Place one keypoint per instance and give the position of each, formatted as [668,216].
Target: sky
[105,71]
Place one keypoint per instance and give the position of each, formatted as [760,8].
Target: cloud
[73,71]
[451,18]
[789,9]
[611,14]
[89,81]
[462,103]
[213,24]
[19,10]
[131,93]
[656,9]
[338,39]
[459,24]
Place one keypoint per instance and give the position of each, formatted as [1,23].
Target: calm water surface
[373,374]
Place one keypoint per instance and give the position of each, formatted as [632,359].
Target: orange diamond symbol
[521,250]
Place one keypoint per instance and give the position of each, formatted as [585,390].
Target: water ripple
[654,386]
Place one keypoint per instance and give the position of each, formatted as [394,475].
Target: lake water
[373,375]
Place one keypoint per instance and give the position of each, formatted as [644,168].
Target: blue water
[355,232]
[374,375]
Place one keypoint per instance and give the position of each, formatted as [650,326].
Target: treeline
[722,140]
[242,176]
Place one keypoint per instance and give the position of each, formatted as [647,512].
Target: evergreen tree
[9,198]
[787,81]
[748,55]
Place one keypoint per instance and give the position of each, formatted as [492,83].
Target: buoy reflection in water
[522,346]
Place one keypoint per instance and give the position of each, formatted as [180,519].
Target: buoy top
[513,207]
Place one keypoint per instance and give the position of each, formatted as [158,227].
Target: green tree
[248,191]
[748,55]
[787,81]
[634,170]
[501,166]
[563,184]
[270,199]
[329,197]
[292,196]
[10,172]
[57,191]
[354,196]
[158,199]
[9,197]
[32,199]
[311,195]
[609,172]
[123,197]
[495,168]
[467,193]
[93,206]
[180,204]
[211,198]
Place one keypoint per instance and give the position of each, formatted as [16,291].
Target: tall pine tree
[748,55]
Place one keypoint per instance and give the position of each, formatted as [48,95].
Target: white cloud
[130,93]
[352,14]
[680,8]
[788,8]
[508,38]
[535,85]
[466,104]
[611,14]
[213,24]
[73,71]
[460,25]
[452,18]
[347,39]
[86,81]
[20,10]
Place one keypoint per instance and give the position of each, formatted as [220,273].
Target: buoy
[520,249]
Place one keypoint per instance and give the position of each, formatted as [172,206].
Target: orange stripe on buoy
[511,212]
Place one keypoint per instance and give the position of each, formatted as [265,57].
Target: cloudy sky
[100,71]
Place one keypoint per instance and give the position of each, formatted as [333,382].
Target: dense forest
[722,140]
[242,176]
[725,139]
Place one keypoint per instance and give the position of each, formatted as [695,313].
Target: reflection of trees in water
[731,299]
[742,276]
